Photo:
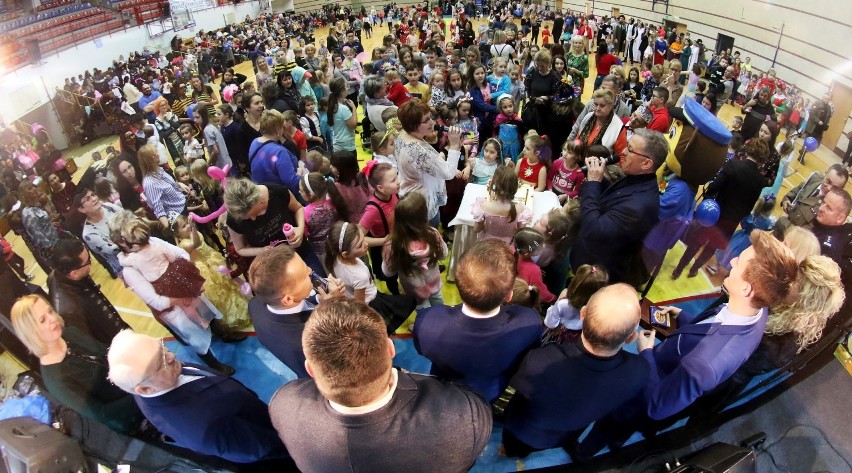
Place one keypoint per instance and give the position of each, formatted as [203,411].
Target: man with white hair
[203,412]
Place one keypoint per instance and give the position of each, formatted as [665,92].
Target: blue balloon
[811,144]
[269,60]
[707,213]
[190,111]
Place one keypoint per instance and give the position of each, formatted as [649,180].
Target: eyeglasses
[162,367]
[89,197]
[630,150]
[87,263]
[429,119]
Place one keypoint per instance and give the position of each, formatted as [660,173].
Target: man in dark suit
[481,342]
[615,218]
[706,349]
[203,412]
[359,413]
[548,410]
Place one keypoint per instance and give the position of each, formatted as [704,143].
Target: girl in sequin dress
[222,291]
[497,216]
[325,207]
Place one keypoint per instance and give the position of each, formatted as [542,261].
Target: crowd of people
[247,205]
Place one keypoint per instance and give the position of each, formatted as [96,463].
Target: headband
[342,234]
[308,185]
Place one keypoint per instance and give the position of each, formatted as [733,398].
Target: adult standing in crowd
[604,61]
[830,226]
[167,125]
[96,231]
[256,215]
[248,132]
[547,410]
[603,126]
[421,168]
[39,223]
[128,183]
[736,188]
[541,84]
[577,63]
[76,296]
[73,366]
[707,348]
[819,116]
[467,35]
[614,84]
[164,195]
[342,116]
[360,413]
[199,410]
[202,95]
[615,218]
[376,91]
[270,160]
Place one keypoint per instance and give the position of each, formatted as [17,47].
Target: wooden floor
[136,313]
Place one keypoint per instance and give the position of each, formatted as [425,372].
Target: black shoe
[225,334]
[217,365]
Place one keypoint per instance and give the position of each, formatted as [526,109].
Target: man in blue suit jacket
[201,411]
[706,349]
[615,218]
[479,343]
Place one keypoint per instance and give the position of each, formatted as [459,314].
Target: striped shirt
[163,194]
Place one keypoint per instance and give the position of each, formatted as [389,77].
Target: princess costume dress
[498,226]
[222,292]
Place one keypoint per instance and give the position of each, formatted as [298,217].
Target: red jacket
[398,94]
[661,120]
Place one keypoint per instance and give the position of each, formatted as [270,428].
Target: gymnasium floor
[263,373]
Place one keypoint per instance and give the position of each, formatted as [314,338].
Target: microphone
[609,160]
[442,128]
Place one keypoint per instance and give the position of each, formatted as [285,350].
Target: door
[616,12]
[841,97]
[723,42]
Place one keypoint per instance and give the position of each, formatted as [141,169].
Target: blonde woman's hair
[802,242]
[240,196]
[148,159]
[270,122]
[25,323]
[605,94]
[821,295]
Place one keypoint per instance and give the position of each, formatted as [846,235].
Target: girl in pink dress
[325,207]
[497,216]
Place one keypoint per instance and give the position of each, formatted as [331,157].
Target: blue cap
[706,123]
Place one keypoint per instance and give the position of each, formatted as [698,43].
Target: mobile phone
[657,318]
[319,282]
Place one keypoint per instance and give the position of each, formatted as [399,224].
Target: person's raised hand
[454,137]
[596,168]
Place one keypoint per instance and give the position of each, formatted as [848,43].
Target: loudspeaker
[719,458]
[34,51]
[29,446]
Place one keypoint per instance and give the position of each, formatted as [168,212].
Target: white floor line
[133,311]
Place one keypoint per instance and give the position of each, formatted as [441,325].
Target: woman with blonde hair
[802,241]
[73,366]
[603,126]
[264,74]
[794,326]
